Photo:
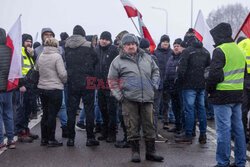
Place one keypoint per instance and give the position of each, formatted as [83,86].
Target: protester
[63,37]
[81,61]
[6,112]
[52,77]
[26,96]
[194,59]
[225,86]
[133,65]
[106,53]
[163,52]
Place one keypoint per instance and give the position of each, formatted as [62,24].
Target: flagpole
[135,26]
[139,21]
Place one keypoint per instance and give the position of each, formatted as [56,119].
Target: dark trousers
[122,122]
[25,104]
[176,106]
[88,98]
[51,103]
[108,107]
[245,110]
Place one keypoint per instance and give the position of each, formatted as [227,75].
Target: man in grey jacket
[133,76]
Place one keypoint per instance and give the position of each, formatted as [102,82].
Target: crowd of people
[126,83]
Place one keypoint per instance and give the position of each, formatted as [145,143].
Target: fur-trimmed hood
[76,41]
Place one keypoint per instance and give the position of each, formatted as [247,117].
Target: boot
[31,135]
[150,152]
[64,131]
[135,151]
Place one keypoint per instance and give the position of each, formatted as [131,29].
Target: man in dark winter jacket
[81,62]
[172,87]
[106,53]
[225,86]
[62,114]
[6,115]
[163,53]
[26,97]
[194,59]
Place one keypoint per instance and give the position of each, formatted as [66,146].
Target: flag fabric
[130,8]
[201,30]
[145,33]
[245,28]
[14,41]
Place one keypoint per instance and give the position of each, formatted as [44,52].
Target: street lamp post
[162,9]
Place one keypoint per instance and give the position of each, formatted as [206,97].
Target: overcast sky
[105,15]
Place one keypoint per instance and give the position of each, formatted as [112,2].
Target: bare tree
[234,14]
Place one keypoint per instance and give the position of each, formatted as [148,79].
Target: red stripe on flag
[198,35]
[148,36]
[246,27]
[131,12]
[11,84]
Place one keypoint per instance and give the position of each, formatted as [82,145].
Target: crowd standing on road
[124,82]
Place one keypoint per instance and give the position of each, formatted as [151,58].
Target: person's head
[36,44]
[182,46]
[93,39]
[190,32]
[176,46]
[130,43]
[105,38]
[144,44]
[165,41]
[2,36]
[27,40]
[221,32]
[78,30]
[64,36]
[51,42]
[241,38]
[47,33]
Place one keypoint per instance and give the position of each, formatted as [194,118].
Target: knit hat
[106,35]
[190,32]
[78,30]
[129,38]
[26,37]
[164,38]
[36,44]
[144,43]
[64,36]
[183,44]
[2,37]
[177,41]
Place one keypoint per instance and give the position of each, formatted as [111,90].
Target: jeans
[210,109]
[194,98]
[25,104]
[62,114]
[6,116]
[228,118]
[51,103]
[245,110]
[74,97]
[98,116]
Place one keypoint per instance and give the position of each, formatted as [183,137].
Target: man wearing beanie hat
[225,85]
[26,92]
[6,115]
[163,52]
[194,60]
[172,86]
[106,52]
[130,74]
[81,61]
[63,37]
[62,114]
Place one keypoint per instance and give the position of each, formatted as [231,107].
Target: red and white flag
[14,41]
[147,35]
[130,8]
[245,28]
[202,33]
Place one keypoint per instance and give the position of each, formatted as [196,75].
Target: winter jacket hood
[47,30]
[76,41]
[221,34]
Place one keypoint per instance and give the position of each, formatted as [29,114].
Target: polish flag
[147,35]
[14,41]
[201,30]
[130,8]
